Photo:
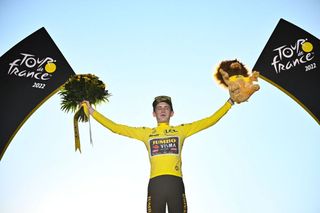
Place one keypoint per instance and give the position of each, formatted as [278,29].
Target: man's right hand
[87,107]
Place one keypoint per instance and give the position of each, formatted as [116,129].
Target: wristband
[231,101]
[91,110]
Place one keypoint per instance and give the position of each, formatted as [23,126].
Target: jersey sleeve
[194,127]
[138,133]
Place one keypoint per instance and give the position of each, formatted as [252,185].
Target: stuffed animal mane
[232,74]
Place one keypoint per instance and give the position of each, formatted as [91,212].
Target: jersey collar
[163,125]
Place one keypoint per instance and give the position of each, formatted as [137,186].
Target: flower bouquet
[77,89]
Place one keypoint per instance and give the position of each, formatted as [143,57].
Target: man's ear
[172,113]
[154,114]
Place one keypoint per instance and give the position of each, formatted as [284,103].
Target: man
[164,144]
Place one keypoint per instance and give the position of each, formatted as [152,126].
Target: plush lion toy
[240,82]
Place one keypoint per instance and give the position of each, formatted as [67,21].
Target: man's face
[163,112]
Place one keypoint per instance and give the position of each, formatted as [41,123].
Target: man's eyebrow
[162,107]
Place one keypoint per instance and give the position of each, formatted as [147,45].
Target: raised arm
[194,127]
[138,133]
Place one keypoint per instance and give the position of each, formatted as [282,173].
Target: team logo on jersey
[170,132]
[160,146]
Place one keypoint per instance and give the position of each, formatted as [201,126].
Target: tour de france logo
[50,67]
[29,66]
[289,56]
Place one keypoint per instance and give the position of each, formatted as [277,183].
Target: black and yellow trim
[291,96]
[25,119]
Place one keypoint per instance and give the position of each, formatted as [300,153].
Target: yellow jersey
[164,142]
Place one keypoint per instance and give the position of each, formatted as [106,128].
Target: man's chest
[166,141]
